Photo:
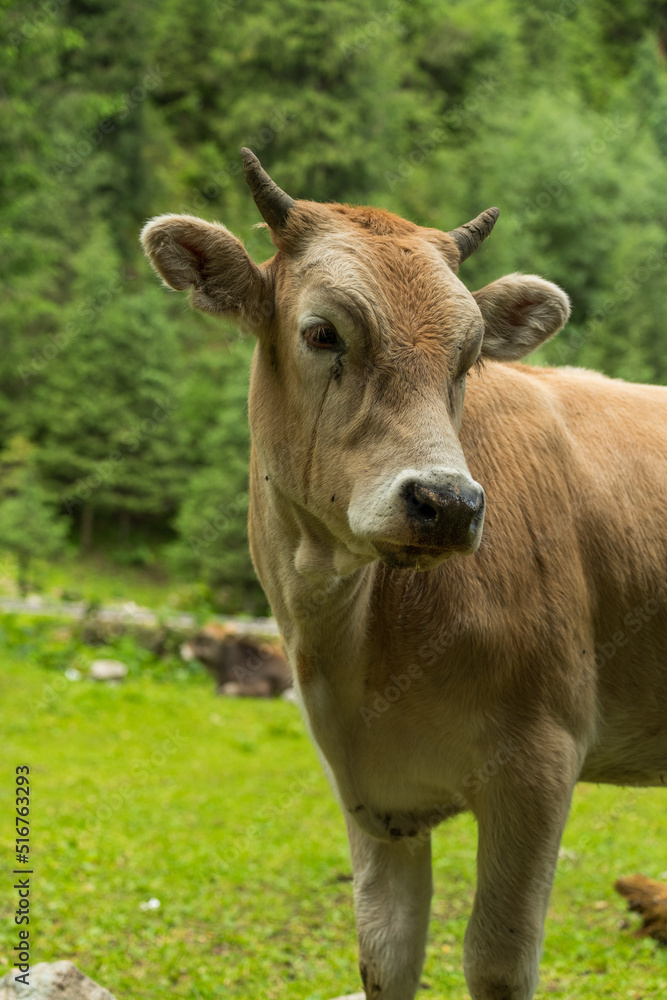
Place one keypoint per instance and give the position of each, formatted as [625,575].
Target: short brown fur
[454,647]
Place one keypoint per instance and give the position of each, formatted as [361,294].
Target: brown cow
[241,666]
[443,663]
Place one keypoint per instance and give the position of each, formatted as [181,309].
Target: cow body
[559,620]
[473,598]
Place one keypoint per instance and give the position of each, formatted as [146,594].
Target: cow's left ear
[520,312]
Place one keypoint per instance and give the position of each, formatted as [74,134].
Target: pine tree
[104,408]
[30,525]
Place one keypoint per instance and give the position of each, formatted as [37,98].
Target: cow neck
[324,579]
[322,611]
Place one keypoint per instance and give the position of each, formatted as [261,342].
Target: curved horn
[271,201]
[469,236]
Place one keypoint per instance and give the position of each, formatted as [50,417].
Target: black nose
[447,516]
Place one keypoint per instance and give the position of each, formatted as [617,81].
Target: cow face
[366,337]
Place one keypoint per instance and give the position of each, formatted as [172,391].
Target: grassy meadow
[99,577]
[186,846]
[156,789]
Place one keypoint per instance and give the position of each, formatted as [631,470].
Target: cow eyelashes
[323,336]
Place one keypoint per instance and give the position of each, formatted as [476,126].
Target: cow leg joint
[520,827]
[392,896]
[372,989]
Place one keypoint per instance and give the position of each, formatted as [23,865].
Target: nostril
[421,503]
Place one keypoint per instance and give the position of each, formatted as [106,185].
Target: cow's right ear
[204,256]
[520,312]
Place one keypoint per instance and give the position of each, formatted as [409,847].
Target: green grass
[219,809]
[98,576]
[87,577]
[107,575]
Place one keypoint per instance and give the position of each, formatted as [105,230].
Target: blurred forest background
[122,413]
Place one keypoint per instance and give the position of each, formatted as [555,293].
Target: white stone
[150,904]
[107,670]
[52,981]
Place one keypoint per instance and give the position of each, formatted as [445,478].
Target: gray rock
[107,670]
[52,981]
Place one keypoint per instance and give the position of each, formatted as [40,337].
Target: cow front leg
[521,816]
[392,899]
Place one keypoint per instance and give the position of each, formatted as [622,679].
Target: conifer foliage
[112,112]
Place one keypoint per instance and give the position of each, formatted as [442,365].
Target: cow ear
[520,312]
[189,253]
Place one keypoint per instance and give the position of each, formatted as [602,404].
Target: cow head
[365,338]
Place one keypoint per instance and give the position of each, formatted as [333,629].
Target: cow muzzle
[417,519]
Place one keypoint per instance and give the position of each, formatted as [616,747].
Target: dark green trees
[112,112]
[30,525]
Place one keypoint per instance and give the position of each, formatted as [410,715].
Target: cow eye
[321,335]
